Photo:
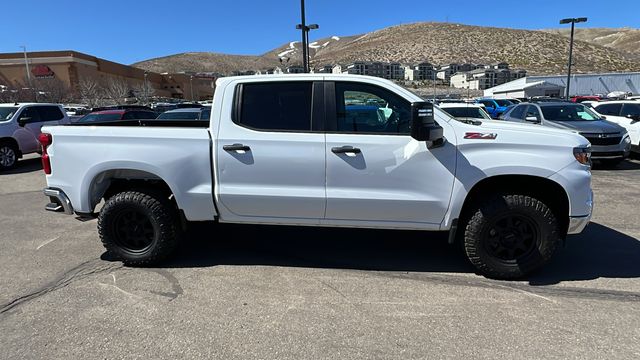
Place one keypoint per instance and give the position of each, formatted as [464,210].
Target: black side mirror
[423,124]
[23,121]
[634,117]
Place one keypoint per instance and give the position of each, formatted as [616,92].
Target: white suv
[625,113]
[20,126]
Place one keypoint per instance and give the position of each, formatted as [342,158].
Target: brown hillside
[624,39]
[440,43]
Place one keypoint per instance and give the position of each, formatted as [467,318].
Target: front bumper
[577,224]
[59,202]
[611,152]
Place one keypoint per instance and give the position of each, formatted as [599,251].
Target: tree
[143,93]
[90,92]
[117,90]
[54,89]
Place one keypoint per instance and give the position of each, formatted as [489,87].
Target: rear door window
[630,109]
[49,113]
[609,109]
[281,106]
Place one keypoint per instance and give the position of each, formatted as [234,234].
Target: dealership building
[555,85]
[72,68]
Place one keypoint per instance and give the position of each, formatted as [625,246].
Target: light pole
[305,36]
[146,91]
[573,22]
[26,65]
[191,83]
[434,86]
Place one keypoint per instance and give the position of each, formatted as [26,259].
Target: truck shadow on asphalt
[598,252]
[25,166]
[625,165]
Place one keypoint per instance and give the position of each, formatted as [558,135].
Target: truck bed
[151,122]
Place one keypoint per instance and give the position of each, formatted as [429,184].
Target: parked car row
[121,113]
[612,128]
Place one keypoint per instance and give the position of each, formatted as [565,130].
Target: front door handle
[345,149]
[236,147]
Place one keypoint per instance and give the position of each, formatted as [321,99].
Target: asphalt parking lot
[312,293]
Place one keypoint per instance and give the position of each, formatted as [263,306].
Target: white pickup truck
[325,150]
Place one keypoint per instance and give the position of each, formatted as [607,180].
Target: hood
[595,126]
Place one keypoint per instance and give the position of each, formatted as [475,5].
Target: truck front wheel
[138,227]
[509,236]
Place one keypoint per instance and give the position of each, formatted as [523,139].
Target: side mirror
[602,117]
[634,117]
[23,121]
[423,124]
[532,119]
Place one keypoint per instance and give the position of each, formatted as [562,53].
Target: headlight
[626,140]
[583,155]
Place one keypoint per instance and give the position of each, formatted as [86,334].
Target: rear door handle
[345,149]
[236,147]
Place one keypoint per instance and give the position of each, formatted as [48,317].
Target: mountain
[539,52]
[625,40]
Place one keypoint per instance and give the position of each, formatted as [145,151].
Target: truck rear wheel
[138,227]
[8,155]
[509,236]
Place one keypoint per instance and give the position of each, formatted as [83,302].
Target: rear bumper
[59,202]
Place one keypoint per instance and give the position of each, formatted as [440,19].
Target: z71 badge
[480,136]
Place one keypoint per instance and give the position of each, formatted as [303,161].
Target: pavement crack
[82,271]
[333,288]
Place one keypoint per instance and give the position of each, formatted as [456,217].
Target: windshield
[575,112]
[467,112]
[6,113]
[504,102]
[182,115]
[100,117]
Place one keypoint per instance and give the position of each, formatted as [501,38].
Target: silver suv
[610,142]
[20,126]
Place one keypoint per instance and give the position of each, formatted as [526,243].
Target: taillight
[45,140]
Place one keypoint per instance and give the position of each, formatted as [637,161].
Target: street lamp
[26,64]
[146,91]
[191,83]
[573,22]
[305,37]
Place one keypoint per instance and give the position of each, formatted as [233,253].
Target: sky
[127,31]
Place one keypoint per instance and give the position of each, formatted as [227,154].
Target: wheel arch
[12,141]
[543,189]
[110,182]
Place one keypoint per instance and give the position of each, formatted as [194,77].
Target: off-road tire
[154,211]
[481,226]
[6,147]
